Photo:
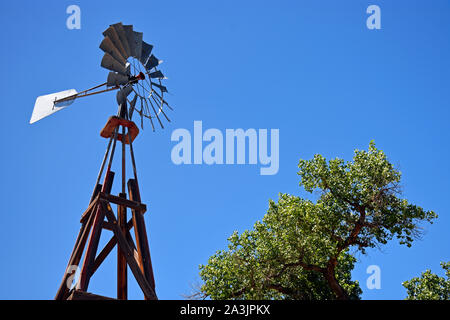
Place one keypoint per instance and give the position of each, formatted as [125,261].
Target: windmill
[134,74]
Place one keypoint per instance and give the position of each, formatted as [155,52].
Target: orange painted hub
[113,123]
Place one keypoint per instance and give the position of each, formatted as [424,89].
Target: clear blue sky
[308,68]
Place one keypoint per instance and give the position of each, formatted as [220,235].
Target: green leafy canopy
[365,193]
[429,286]
[300,249]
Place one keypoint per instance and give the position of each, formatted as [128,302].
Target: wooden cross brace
[137,255]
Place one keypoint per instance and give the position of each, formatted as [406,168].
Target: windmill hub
[135,79]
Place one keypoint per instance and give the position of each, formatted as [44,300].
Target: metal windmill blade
[112,34]
[108,47]
[156,74]
[122,94]
[133,72]
[137,44]
[112,64]
[145,52]
[152,62]
[161,88]
[130,39]
[116,79]
[118,27]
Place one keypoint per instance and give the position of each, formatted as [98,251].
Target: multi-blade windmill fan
[133,69]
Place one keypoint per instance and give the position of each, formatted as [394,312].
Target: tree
[264,263]
[429,286]
[301,248]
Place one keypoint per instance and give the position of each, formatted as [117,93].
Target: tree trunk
[340,293]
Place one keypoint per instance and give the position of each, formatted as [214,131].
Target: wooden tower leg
[91,251]
[122,285]
[75,258]
[86,223]
[141,235]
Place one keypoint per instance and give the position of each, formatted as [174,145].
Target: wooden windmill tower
[133,70]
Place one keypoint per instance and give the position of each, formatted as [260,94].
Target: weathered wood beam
[123,202]
[80,243]
[148,291]
[75,257]
[91,250]
[122,283]
[89,210]
[110,246]
[107,225]
[141,234]
[82,295]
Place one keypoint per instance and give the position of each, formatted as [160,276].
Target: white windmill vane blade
[45,105]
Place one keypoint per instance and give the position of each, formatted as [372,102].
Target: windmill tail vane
[133,73]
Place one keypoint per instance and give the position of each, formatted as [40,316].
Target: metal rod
[132,158]
[90,89]
[164,101]
[149,116]
[79,93]
[161,108]
[113,149]
[156,114]
[103,163]
[83,94]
